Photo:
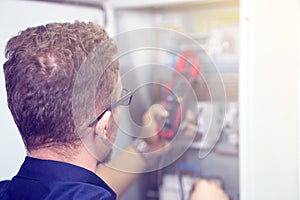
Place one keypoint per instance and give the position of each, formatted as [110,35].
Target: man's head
[40,72]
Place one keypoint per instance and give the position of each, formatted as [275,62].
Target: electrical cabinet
[210,30]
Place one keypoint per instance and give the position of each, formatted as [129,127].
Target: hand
[152,122]
[205,190]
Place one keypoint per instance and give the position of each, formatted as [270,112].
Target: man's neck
[80,157]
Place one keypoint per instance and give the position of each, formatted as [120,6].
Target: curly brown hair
[40,72]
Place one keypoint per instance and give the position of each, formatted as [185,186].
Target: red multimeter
[188,66]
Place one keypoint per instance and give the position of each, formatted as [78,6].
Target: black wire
[181,186]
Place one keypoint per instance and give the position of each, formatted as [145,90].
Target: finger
[200,183]
[216,182]
[154,116]
[158,111]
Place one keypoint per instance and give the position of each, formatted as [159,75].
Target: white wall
[269,74]
[16,16]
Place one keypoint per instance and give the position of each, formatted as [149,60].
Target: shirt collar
[50,170]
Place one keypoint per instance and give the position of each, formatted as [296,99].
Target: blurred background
[246,102]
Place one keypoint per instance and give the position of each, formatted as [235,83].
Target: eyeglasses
[125,100]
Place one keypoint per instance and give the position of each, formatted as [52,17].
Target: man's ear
[103,124]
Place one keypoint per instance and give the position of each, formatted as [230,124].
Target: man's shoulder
[3,187]
[53,190]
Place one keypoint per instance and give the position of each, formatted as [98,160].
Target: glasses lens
[132,114]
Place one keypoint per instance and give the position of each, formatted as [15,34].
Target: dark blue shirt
[46,179]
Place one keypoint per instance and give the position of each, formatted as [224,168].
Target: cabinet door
[269,91]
